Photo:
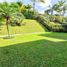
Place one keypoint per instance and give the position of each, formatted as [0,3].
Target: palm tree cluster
[6,12]
[60,7]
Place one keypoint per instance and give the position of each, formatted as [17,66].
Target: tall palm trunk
[63,12]
[63,15]
[51,11]
[7,26]
[34,7]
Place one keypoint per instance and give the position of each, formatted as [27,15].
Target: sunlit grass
[28,26]
[29,37]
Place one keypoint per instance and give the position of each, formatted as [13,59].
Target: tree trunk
[34,7]
[7,26]
[63,12]
[51,11]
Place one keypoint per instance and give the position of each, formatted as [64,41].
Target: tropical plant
[28,7]
[16,19]
[19,3]
[6,12]
[15,6]
[61,7]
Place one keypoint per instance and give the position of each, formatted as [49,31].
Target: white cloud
[8,0]
[42,6]
[47,2]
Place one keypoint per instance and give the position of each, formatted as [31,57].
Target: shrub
[65,19]
[43,20]
[16,19]
[29,14]
[51,26]
[57,19]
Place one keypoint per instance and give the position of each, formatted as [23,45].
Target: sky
[40,7]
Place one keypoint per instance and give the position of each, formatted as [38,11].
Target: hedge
[51,26]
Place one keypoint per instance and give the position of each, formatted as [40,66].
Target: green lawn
[34,50]
[28,26]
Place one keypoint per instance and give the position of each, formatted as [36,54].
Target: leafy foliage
[52,26]
[16,19]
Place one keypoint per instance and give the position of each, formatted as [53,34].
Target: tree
[28,7]
[47,11]
[54,7]
[58,7]
[61,7]
[19,3]
[6,12]
[64,9]
[14,5]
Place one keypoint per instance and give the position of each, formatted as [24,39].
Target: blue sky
[39,6]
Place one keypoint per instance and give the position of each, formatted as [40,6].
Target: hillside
[28,26]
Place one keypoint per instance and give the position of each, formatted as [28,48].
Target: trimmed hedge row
[58,19]
[51,26]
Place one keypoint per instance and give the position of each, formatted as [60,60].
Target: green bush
[65,19]
[57,19]
[29,14]
[43,20]
[51,26]
[16,19]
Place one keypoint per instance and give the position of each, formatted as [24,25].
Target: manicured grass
[34,50]
[28,26]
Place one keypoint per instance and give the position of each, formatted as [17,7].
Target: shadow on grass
[40,53]
[55,35]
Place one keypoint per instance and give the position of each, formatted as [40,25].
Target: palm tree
[64,9]
[6,12]
[58,7]
[51,9]
[61,7]
[33,4]
[14,5]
